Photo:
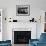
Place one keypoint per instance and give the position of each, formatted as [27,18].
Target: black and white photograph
[22,10]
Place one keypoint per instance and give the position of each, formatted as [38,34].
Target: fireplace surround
[21,35]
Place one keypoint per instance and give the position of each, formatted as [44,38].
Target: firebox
[22,37]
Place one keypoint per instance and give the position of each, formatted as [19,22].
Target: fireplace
[22,37]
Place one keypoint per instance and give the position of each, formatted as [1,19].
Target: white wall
[1,25]
[4,25]
[34,3]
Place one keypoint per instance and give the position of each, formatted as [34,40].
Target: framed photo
[22,10]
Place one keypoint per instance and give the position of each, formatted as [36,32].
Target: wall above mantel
[34,13]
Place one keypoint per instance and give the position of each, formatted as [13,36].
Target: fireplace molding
[18,29]
[27,27]
[21,29]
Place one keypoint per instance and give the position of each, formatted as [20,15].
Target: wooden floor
[20,45]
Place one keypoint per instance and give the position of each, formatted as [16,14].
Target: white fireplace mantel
[26,27]
[14,26]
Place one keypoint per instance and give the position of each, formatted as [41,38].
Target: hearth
[22,37]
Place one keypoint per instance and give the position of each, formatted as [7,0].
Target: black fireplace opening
[22,37]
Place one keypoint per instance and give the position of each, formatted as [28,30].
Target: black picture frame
[22,10]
